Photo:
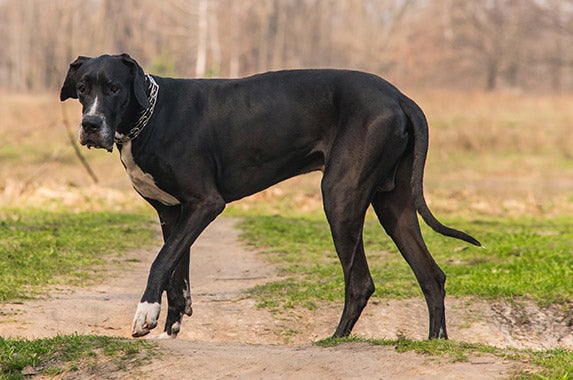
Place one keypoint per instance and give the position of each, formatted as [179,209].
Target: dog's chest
[144,182]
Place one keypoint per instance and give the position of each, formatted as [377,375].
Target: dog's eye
[81,89]
[113,89]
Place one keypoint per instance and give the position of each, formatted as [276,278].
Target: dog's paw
[175,328]
[145,318]
[165,335]
[170,334]
[188,308]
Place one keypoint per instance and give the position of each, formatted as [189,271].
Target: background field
[490,154]
[500,166]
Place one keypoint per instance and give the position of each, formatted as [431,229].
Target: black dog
[192,146]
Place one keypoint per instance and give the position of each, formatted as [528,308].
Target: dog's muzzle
[95,132]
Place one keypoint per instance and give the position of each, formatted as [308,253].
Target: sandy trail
[228,337]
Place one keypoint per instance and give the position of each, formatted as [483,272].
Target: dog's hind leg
[347,189]
[346,220]
[397,214]
[178,290]
[354,169]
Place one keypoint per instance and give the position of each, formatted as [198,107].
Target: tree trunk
[492,73]
[201,60]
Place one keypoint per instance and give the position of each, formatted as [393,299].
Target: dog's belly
[239,179]
[144,182]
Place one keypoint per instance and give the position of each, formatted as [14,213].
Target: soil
[229,337]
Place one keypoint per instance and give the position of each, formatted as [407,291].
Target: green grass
[21,358]
[554,364]
[39,248]
[529,258]
[457,351]
[525,258]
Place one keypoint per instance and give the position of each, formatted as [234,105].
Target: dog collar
[145,115]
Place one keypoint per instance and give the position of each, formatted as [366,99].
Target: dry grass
[502,124]
[38,166]
[492,153]
[500,152]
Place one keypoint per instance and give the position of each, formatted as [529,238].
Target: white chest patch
[144,182]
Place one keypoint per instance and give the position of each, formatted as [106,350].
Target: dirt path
[229,337]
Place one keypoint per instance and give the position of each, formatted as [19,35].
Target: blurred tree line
[481,44]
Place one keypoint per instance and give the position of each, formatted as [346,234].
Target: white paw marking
[175,328]
[145,318]
[161,336]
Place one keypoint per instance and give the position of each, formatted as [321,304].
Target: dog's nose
[91,123]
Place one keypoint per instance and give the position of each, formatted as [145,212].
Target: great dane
[190,146]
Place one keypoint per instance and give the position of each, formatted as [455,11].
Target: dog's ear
[69,86]
[138,80]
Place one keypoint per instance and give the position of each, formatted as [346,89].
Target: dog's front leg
[179,289]
[178,298]
[194,217]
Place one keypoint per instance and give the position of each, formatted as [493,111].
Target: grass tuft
[553,364]
[20,358]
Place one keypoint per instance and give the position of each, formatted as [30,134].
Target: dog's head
[112,91]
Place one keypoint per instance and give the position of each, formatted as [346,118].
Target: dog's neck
[144,116]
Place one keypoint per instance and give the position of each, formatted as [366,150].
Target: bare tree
[493,33]
[489,43]
[202,25]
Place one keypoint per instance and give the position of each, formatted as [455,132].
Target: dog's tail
[419,126]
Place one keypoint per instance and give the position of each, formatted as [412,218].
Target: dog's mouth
[95,131]
[96,140]
[91,144]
